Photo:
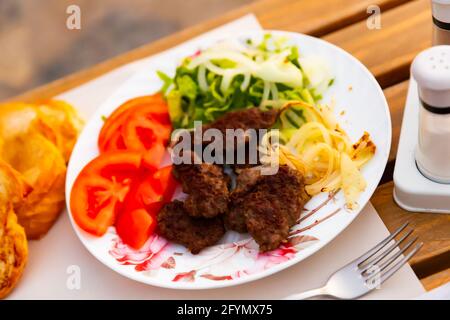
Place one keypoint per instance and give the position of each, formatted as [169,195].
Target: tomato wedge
[101,188]
[152,191]
[134,227]
[137,220]
[151,108]
[140,132]
[115,120]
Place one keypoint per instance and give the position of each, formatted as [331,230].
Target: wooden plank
[431,228]
[316,18]
[436,280]
[388,52]
[312,17]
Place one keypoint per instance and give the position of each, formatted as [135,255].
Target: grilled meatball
[287,187]
[245,119]
[207,187]
[267,205]
[195,233]
[266,221]
[252,118]
[234,219]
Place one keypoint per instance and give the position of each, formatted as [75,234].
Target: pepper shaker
[431,70]
[441,21]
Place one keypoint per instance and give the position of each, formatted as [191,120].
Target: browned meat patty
[195,233]
[246,180]
[207,187]
[235,219]
[288,188]
[265,219]
[266,205]
[245,119]
[252,118]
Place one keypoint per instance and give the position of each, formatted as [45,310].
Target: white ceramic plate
[236,259]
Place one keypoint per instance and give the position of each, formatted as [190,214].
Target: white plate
[236,260]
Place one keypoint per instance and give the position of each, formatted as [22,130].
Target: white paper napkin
[439,293]
[53,258]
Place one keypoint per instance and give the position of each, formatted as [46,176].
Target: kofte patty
[267,205]
[265,220]
[235,219]
[195,233]
[252,118]
[207,189]
[242,141]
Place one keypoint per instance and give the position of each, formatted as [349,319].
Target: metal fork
[366,272]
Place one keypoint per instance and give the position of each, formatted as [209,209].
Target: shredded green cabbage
[231,76]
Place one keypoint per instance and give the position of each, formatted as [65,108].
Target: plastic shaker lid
[441,10]
[431,70]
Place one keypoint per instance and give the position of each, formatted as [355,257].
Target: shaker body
[441,22]
[431,70]
[440,36]
[433,149]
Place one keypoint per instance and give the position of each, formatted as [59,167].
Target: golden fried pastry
[37,213]
[42,167]
[13,251]
[60,123]
[16,119]
[56,120]
[13,242]
[13,187]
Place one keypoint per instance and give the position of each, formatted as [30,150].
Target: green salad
[235,75]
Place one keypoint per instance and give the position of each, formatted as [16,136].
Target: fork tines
[383,261]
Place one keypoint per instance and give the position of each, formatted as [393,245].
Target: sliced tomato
[148,193]
[115,143]
[134,227]
[156,101]
[152,191]
[138,107]
[101,188]
[140,132]
[153,157]
[160,186]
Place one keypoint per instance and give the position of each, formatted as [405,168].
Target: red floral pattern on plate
[151,256]
[215,263]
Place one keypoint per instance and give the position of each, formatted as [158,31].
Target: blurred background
[36,47]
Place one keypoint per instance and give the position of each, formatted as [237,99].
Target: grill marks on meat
[195,233]
[267,206]
[207,187]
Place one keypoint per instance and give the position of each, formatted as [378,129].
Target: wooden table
[387,52]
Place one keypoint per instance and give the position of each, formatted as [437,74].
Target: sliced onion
[228,76]
[274,91]
[203,84]
[266,92]
[246,82]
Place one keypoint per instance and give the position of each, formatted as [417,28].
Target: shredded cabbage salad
[234,75]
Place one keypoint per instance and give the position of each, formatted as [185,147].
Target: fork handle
[307,294]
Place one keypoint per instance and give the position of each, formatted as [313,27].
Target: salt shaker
[431,70]
[441,21]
